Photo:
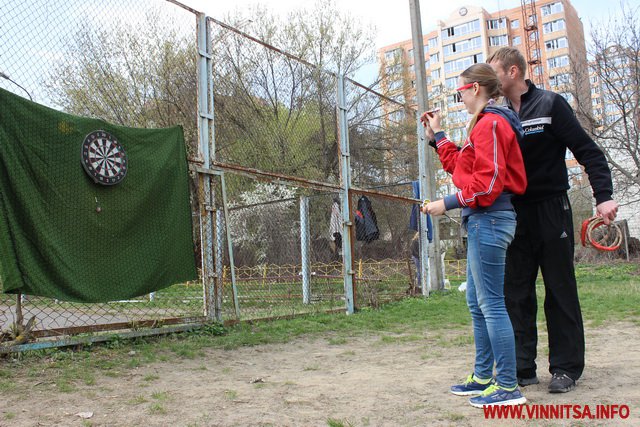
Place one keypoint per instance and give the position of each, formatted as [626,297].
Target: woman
[488,170]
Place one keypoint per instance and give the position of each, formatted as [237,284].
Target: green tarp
[64,236]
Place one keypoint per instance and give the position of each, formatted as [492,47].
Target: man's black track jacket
[550,127]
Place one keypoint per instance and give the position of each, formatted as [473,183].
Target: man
[544,233]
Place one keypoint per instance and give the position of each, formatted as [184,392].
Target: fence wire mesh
[274,113]
[268,243]
[129,63]
[382,139]
[275,230]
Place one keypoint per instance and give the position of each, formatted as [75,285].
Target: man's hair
[509,56]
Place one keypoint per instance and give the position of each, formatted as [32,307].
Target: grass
[608,293]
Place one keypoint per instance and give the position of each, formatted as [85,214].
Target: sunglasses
[458,94]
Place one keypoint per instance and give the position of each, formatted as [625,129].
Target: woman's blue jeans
[488,236]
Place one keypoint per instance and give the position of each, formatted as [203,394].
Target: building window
[433,43]
[410,54]
[397,116]
[515,23]
[559,80]
[611,108]
[553,26]
[426,49]
[458,116]
[567,95]
[462,63]
[554,44]
[462,46]
[550,9]
[460,30]
[435,74]
[502,40]
[533,35]
[517,40]
[459,134]
[494,24]
[558,61]
[451,83]
[537,70]
[395,85]
[391,55]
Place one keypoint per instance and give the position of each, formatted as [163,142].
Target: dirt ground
[367,381]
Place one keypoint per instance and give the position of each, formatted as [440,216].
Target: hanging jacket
[365,221]
[335,222]
[414,219]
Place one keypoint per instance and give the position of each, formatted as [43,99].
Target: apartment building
[549,34]
[551,37]
[615,104]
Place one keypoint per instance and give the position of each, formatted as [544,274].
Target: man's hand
[434,208]
[607,211]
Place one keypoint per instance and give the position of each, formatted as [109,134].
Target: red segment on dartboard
[103,158]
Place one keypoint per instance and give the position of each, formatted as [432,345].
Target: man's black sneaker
[523,382]
[561,383]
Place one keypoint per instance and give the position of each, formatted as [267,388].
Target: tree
[615,79]
[275,108]
[142,76]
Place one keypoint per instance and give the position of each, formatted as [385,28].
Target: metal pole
[205,127]
[232,266]
[304,249]
[219,279]
[345,181]
[426,169]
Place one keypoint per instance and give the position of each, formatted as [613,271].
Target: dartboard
[103,158]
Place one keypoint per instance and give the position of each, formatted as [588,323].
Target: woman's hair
[484,75]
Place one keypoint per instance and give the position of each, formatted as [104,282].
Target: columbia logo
[563,235]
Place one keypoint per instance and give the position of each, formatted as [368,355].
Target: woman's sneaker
[470,386]
[496,395]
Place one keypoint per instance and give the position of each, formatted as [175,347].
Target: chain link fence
[268,192]
[128,63]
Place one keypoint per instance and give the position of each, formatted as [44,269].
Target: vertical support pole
[425,163]
[304,249]
[345,182]
[219,291]
[205,130]
[232,265]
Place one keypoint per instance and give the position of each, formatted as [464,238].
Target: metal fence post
[219,266]
[345,182]
[304,249]
[205,128]
[232,265]
[425,163]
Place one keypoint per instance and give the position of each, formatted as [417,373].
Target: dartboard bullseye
[103,158]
